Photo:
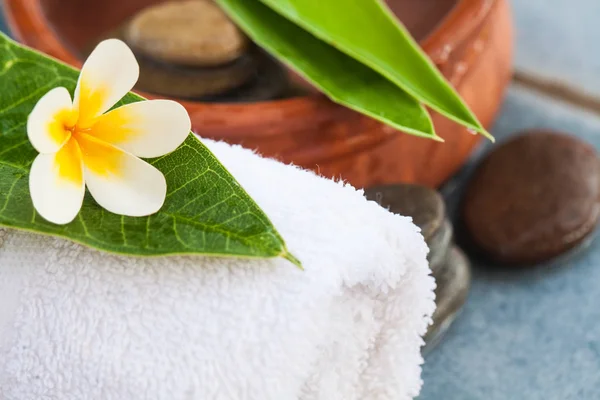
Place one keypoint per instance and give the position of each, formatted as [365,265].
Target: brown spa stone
[534,197]
[186,32]
[187,82]
[271,81]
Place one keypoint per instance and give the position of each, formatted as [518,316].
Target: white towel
[78,324]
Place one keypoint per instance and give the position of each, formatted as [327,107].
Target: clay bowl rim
[29,26]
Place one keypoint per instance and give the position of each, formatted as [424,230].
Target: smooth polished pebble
[191,32]
[533,197]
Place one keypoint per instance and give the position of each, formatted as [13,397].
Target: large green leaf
[367,31]
[206,211]
[343,79]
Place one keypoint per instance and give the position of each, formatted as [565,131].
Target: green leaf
[367,31]
[206,211]
[343,79]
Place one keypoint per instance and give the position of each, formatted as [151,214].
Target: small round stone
[192,83]
[270,82]
[534,197]
[189,32]
[424,205]
[453,282]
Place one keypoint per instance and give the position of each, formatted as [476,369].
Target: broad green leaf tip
[488,135]
[338,76]
[481,130]
[207,212]
[388,50]
[469,120]
[290,257]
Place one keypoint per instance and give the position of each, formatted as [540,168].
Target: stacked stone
[448,264]
[190,49]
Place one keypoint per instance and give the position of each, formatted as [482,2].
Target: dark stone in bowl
[192,82]
[270,81]
[254,76]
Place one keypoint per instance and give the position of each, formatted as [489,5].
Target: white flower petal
[107,75]
[146,128]
[56,184]
[120,182]
[46,122]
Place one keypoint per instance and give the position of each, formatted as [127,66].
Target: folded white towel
[76,323]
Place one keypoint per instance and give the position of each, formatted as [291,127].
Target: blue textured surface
[525,334]
[559,39]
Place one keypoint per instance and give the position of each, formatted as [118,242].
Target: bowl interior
[80,23]
[421,17]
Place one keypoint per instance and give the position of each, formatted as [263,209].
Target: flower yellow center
[62,125]
[82,146]
[68,163]
[90,104]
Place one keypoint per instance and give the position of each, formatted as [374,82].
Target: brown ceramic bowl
[469,40]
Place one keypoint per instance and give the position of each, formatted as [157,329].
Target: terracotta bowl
[469,40]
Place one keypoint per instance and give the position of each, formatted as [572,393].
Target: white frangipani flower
[80,144]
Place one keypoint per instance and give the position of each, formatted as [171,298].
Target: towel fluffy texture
[79,324]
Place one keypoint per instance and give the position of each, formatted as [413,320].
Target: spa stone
[427,209]
[191,32]
[453,284]
[187,82]
[449,266]
[533,198]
